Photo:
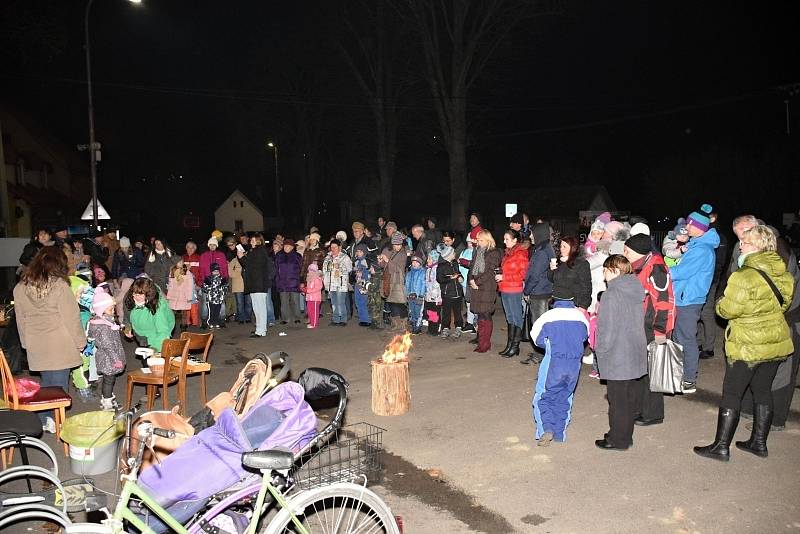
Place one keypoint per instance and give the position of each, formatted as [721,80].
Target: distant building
[238,214]
[43,182]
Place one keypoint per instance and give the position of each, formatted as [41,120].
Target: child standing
[433,294]
[361,268]
[109,354]
[214,288]
[561,332]
[180,293]
[621,349]
[415,293]
[449,278]
[313,294]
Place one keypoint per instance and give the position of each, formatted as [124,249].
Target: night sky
[675,102]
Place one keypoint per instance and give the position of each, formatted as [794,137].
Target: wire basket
[356,451]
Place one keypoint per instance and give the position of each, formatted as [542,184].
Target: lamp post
[93,146]
[274,148]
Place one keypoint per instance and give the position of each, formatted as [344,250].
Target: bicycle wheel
[33,512]
[342,508]
[32,444]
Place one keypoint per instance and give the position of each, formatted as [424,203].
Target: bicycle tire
[318,509]
[33,471]
[33,512]
[33,443]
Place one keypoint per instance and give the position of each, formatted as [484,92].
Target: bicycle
[342,506]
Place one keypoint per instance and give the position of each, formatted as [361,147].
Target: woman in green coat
[757,339]
[150,316]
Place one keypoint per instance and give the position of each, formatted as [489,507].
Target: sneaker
[456,333]
[594,374]
[309,326]
[445,333]
[49,425]
[108,404]
[689,387]
[469,328]
[545,440]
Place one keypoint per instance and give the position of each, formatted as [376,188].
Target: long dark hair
[574,249]
[49,263]
[146,287]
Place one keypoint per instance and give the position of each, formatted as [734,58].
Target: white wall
[237,207]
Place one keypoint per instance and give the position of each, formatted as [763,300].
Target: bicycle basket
[356,451]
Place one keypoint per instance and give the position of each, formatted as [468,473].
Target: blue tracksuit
[561,332]
[415,285]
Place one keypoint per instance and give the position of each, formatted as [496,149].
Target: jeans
[686,335]
[512,305]
[260,302]
[339,305]
[361,307]
[59,378]
[244,306]
[415,312]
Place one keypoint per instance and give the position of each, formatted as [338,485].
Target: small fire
[397,349]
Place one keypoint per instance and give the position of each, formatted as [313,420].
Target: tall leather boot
[516,336]
[727,421]
[757,444]
[510,332]
[485,327]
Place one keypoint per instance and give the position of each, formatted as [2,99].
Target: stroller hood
[219,449]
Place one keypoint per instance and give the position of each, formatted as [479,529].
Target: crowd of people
[605,301]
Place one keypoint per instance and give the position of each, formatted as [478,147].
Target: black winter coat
[451,287]
[258,270]
[576,279]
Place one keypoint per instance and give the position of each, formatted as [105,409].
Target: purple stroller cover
[211,461]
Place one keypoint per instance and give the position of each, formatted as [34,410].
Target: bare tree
[458,39]
[375,47]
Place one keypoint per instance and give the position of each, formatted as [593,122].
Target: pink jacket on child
[179,295]
[314,289]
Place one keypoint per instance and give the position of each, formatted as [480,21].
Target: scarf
[479,261]
[104,321]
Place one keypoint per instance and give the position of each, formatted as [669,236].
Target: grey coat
[621,347]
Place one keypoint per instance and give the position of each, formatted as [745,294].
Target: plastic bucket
[93,439]
[93,460]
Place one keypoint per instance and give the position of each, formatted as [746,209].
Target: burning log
[391,394]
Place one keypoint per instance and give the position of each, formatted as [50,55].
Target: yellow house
[238,214]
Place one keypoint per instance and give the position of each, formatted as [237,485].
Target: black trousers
[738,376]
[652,403]
[624,401]
[782,395]
[214,311]
[452,307]
[537,306]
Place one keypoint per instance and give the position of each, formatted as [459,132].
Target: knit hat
[341,235]
[391,224]
[358,225]
[700,219]
[517,218]
[315,236]
[362,247]
[101,302]
[446,251]
[417,257]
[604,218]
[597,225]
[213,241]
[398,238]
[639,243]
[680,228]
[313,267]
[214,267]
[433,256]
[124,242]
[289,242]
[216,234]
[612,227]
[640,228]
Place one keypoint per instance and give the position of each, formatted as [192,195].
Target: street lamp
[274,148]
[93,146]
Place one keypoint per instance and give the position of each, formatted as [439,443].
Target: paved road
[464,459]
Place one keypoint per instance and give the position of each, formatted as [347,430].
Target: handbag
[526,323]
[665,367]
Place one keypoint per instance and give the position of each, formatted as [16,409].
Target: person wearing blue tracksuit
[415,292]
[561,332]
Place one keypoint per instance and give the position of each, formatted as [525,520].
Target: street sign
[102,214]
[511,210]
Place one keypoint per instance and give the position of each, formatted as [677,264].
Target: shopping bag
[665,367]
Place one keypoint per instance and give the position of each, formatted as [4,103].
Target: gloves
[412,296]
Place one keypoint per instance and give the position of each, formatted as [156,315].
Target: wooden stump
[391,394]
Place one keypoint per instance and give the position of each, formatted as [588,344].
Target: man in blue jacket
[691,281]
[537,287]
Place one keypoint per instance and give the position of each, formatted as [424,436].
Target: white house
[238,214]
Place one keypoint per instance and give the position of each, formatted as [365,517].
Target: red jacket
[514,266]
[193,263]
[207,258]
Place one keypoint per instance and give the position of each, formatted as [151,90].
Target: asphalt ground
[464,458]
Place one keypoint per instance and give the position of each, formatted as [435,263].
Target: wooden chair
[46,399]
[174,373]
[197,343]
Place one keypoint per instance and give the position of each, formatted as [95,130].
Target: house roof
[237,191]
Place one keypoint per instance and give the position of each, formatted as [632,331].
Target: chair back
[9,387]
[171,349]
[198,342]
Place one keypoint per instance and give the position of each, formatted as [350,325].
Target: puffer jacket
[692,276]
[757,330]
[514,266]
[451,287]
[287,271]
[336,272]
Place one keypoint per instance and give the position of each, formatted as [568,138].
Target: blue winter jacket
[536,281]
[561,330]
[691,278]
[415,282]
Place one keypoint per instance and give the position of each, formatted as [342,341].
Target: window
[239,225]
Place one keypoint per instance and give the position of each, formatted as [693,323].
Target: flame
[397,349]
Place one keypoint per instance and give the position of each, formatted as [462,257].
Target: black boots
[757,444]
[727,420]
[510,332]
[514,336]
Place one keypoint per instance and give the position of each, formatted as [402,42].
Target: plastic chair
[174,373]
[46,399]
[198,342]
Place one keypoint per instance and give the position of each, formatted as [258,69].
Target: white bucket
[93,460]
